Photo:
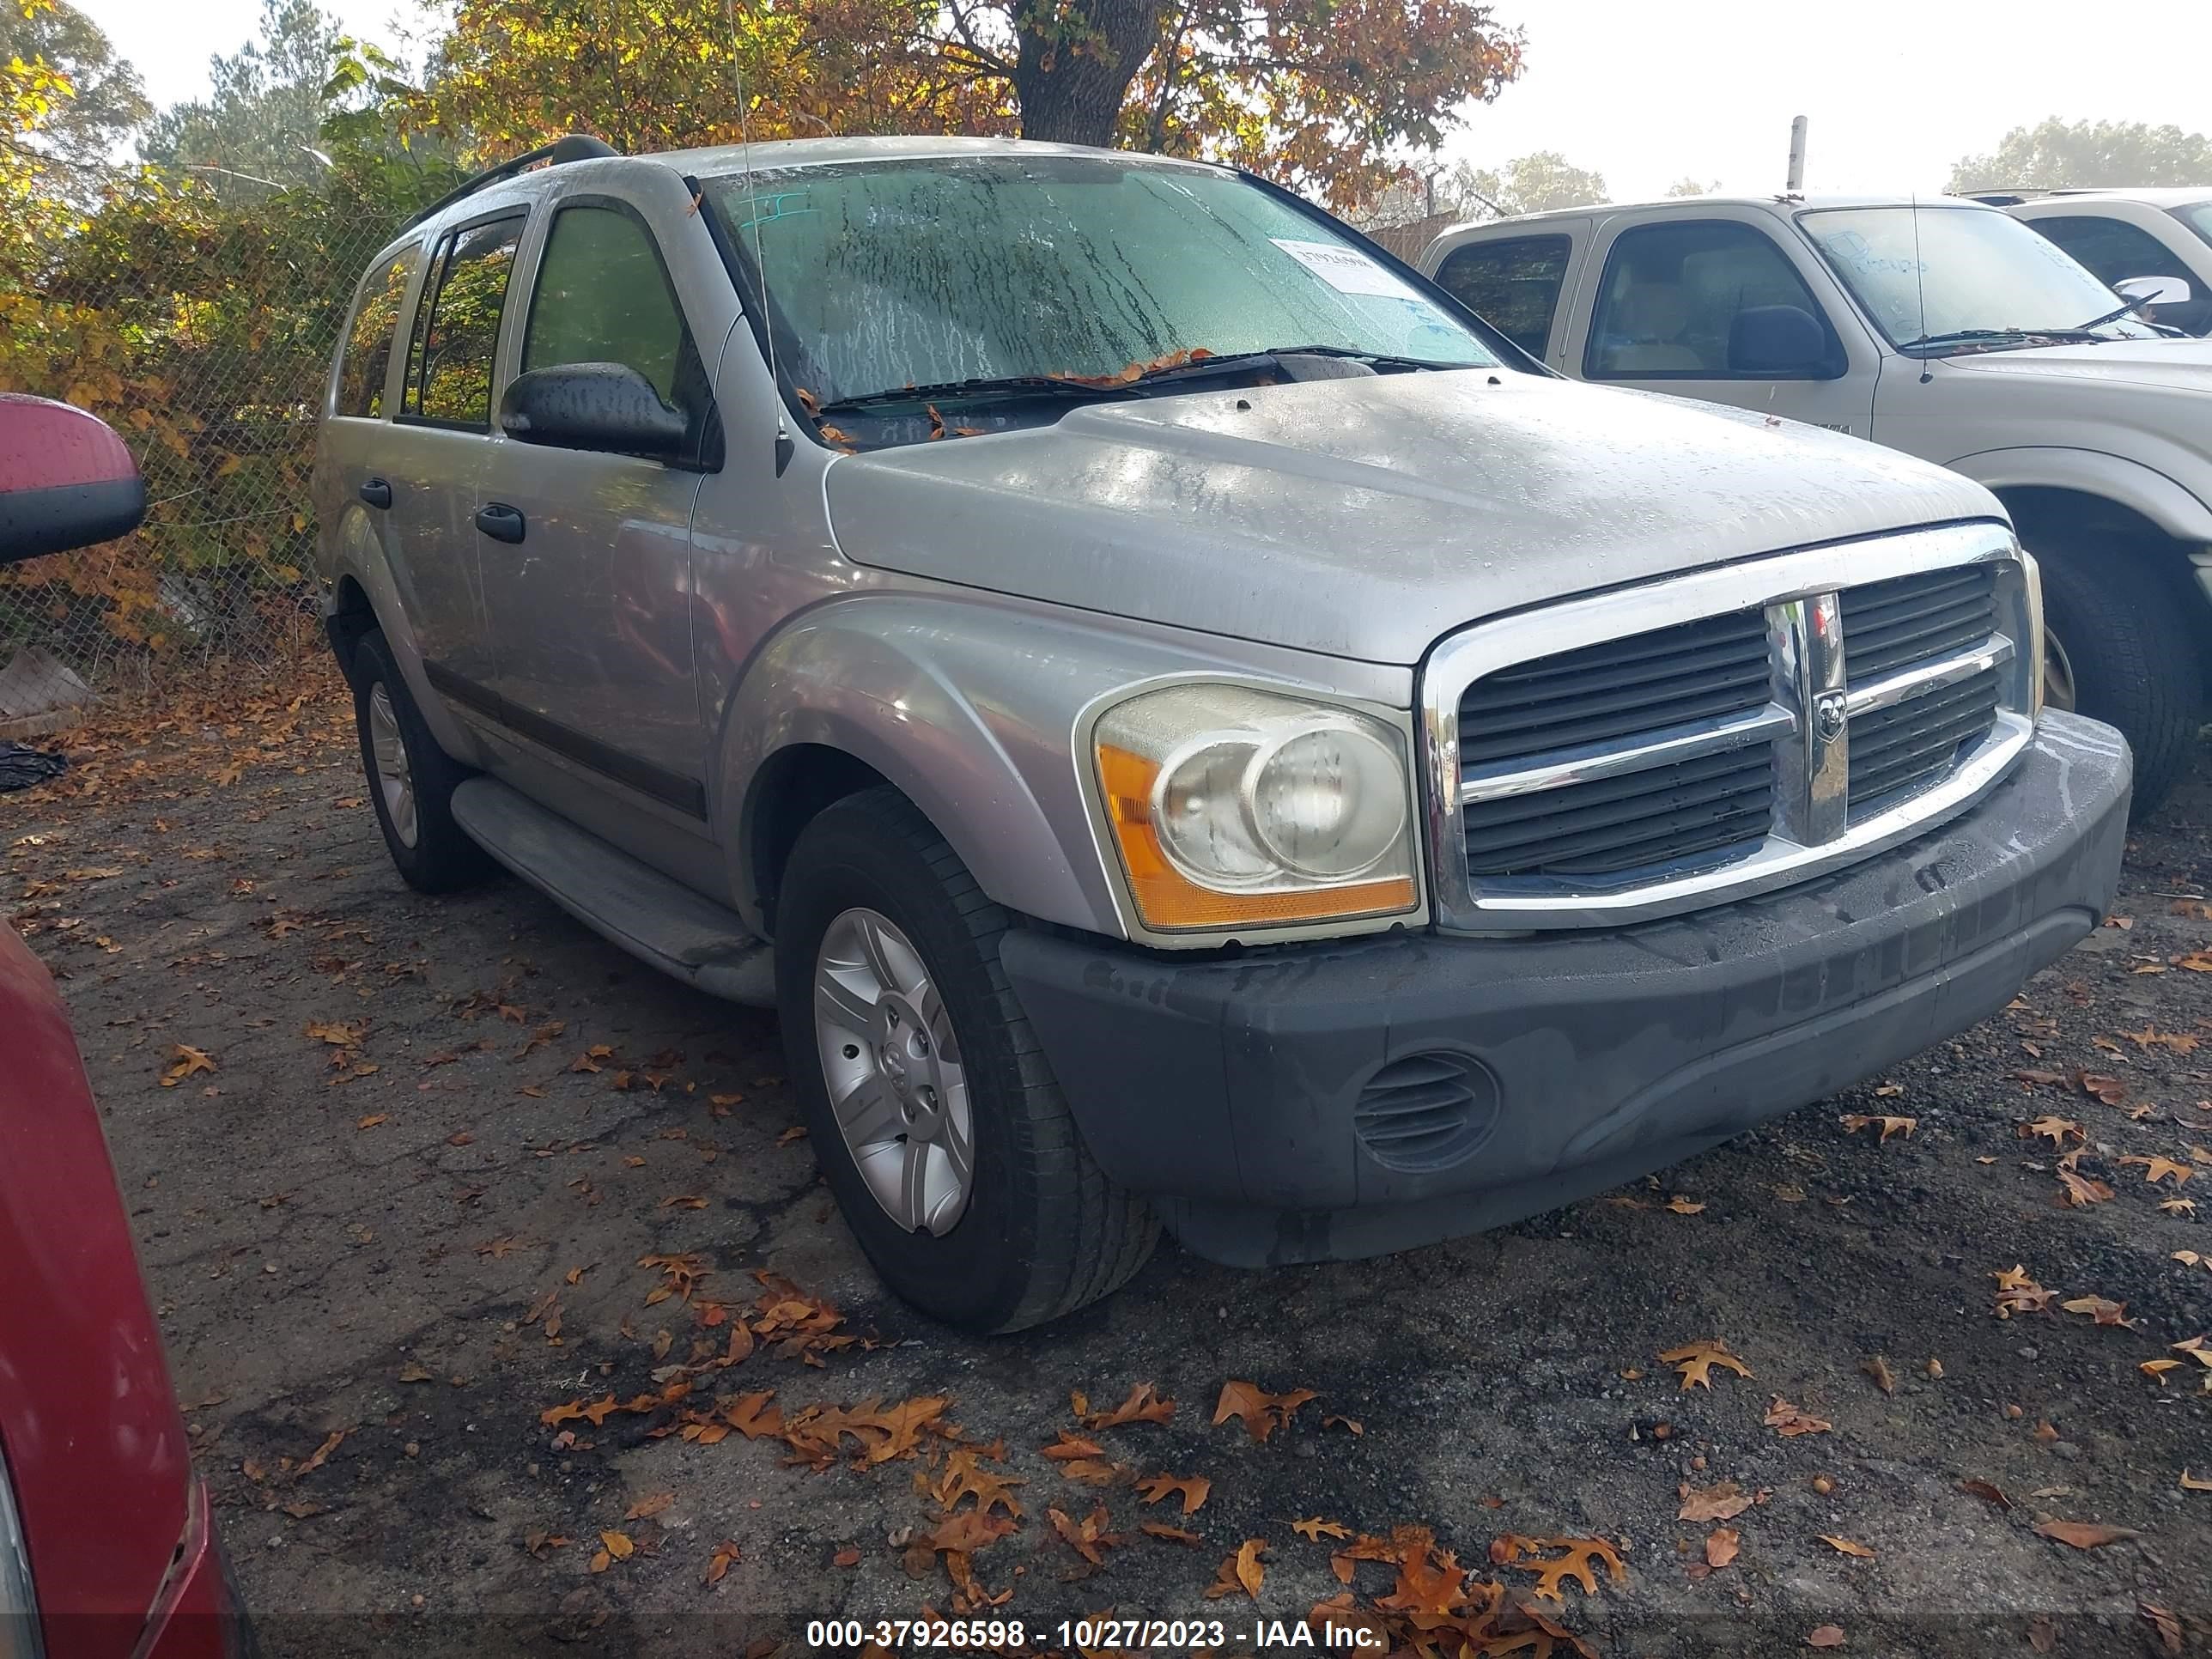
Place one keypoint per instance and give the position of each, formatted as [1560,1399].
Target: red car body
[122,1548]
[108,1546]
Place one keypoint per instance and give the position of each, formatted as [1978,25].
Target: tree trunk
[1077,61]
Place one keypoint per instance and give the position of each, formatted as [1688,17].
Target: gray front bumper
[1231,1090]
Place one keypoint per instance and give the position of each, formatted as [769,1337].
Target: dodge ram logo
[1829,710]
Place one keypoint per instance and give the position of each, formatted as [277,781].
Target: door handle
[377,492]
[501,522]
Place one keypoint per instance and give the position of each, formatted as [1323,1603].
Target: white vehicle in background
[1943,328]
[2127,236]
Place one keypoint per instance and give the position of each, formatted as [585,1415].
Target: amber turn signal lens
[1167,900]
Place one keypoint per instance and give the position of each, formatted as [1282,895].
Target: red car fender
[95,1444]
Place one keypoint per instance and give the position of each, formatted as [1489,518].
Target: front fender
[2169,505]
[969,705]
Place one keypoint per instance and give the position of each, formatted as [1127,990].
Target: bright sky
[1896,91]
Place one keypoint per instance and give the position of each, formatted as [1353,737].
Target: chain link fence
[202,328]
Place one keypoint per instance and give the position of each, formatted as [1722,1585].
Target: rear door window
[1703,301]
[1513,285]
[450,359]
[369,340]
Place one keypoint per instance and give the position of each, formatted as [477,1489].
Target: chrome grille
[1936,613]
[1699,670]
[1760,724]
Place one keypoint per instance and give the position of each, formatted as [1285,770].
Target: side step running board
[654,919]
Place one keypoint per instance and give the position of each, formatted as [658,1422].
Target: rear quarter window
[369,337]
[1514,286]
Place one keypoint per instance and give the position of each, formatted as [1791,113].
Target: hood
[2179,365]
[1365,518]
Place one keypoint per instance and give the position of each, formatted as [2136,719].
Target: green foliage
[2055,155]
[1535,183]
[106,101]
[200,322]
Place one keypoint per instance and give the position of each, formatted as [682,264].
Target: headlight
[1231,805]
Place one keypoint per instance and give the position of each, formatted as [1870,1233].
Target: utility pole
[1797,155]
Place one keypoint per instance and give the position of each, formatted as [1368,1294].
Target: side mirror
[2153,290]
[1777,340]
[66,479]
[606,407]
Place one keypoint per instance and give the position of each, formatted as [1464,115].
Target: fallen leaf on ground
[1855,1122]
[2077,1191]
[646,1508]
[372,1120]
[1789,1420]
[2018,1293]
[2163,1626]
[1825,1636]
[1263,1412]
[1143,1406]
[1173,1535]
[2103,1310]
[1241,1571]
[1315,1527]
[2191,1483]
[185,1062]
[2156,1169]
[1191,1488]
[1878,1369]
[1845,1546]
[964,1476]
[2056,1130]
[1574,1563]
[1986,1490]
[1088,1538]
[969,1531]
[848,1557]
[1722,1503]
[1071,1446]
[322,1452]
[719,1563]
[1721,1546]
[1351,1425]
[2157,1368]
[1696,1360]
[617,1544]
[2085,1534]
[1682,1206]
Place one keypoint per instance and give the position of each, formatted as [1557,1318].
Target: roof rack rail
[575,146]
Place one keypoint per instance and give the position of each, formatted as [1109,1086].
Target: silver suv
[1185,722]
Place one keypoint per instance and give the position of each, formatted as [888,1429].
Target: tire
[1040,1230]
[2127,634]
[435,853]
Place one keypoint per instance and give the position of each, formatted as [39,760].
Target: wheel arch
[966,712]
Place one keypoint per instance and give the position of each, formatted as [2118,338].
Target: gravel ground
[402,1213]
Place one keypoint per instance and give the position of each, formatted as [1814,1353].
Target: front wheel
[928,1102]
[2120,645]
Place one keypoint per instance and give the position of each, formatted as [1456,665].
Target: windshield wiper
[1060,386]
[1004,385]
[2128,309]
[1957,336]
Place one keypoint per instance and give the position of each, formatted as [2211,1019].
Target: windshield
[915,273]
[1936,271]
[2198,218]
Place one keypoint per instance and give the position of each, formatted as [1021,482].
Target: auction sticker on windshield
[1346,270]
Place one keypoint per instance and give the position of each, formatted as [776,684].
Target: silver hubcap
[393,776]
[892,1062]
[2058,674]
